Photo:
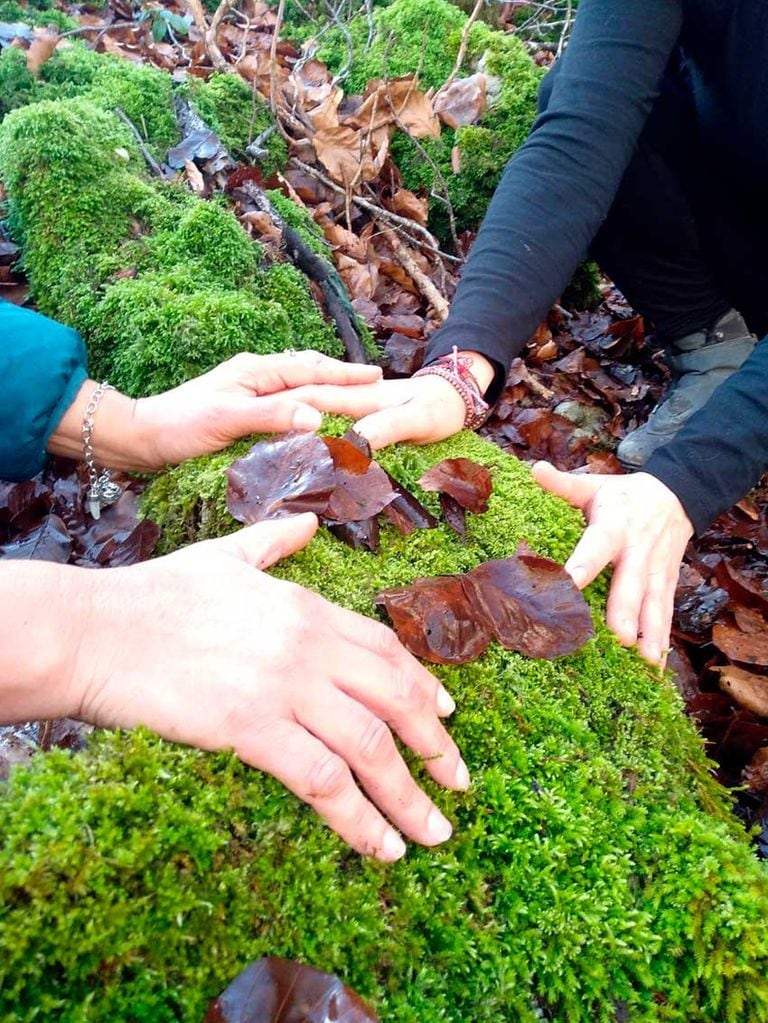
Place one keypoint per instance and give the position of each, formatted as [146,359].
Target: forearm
[41,627]
[119,440]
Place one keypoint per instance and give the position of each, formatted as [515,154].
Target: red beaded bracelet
[456,370]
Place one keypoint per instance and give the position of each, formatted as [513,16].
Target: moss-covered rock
[595,873]
[162,285]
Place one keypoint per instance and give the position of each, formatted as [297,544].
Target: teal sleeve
[42,367]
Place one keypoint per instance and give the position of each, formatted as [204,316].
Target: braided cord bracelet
[456,369]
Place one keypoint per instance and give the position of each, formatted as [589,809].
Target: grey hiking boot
[700,362]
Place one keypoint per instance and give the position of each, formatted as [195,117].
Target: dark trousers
[686,238]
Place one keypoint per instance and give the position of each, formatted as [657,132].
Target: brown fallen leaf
[531,605]
[527,602]
[273,990]
[748,648]
[286,476]
[407,204]
[454,515]
[41,49]
[362,487]
[435,621]
[756,772]
[462,102]
[468,483]
[748,690]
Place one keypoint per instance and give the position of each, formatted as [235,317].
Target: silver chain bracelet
[102,490]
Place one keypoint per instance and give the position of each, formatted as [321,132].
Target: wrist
[120,436]
[481,368]
[41,631]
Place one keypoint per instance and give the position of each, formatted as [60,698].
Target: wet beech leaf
[50,541]
[273,990]
[467,482]
[435,620]
[454,514]
[118,538]
[362,487]
[286,476]
[360,536]
[531,604]
[748,648]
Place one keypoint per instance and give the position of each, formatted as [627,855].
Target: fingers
[322,778]
[271,373]
[272,414]
[366,744]
[397,693]
[656,616]
[631,578]
[355,401]
[267,542]
[435,411]
[577,490]
[600,544]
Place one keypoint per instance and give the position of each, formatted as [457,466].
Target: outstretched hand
[229,657]
[247,394]
[637,524]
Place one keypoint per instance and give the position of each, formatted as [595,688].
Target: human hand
[205,649]
[421,409]
[247,394]
[638,524]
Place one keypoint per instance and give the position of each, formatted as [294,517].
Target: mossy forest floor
[597,873]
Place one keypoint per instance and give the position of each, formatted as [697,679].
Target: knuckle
[327,778]
[375,743]
[406,690]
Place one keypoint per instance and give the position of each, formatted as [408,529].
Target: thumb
[267,542]
[577,489]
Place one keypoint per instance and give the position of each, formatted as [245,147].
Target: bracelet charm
[102,489]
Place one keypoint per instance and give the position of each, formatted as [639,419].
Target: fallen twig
[151,162]
[463,44]
[427,287]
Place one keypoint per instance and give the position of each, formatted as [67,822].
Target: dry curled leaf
[748,690]
[274,990]
[286,476]
[468,483]
[748,648]
[462,102]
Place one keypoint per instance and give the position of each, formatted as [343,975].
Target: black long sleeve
[559,186]
[722,451]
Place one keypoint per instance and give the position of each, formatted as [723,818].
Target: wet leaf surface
[50,541]
[286,476]
[468,483]
[435,620]
[531,604]
[362,488]
[273,990]
[454,514]
[528,603]
[748,690]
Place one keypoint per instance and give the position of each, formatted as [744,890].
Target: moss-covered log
[595,874]
[163,285]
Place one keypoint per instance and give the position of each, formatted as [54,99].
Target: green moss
[42,13]
[300,219]
[595,872]
[411,35]
[161,284]
[584,290]
[238,115]
[17,86]
[142,92]
[423,36]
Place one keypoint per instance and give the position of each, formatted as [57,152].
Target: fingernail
[393,847]
[462,777]
[577,573]
[440,829]
[307,419]
[445,702]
